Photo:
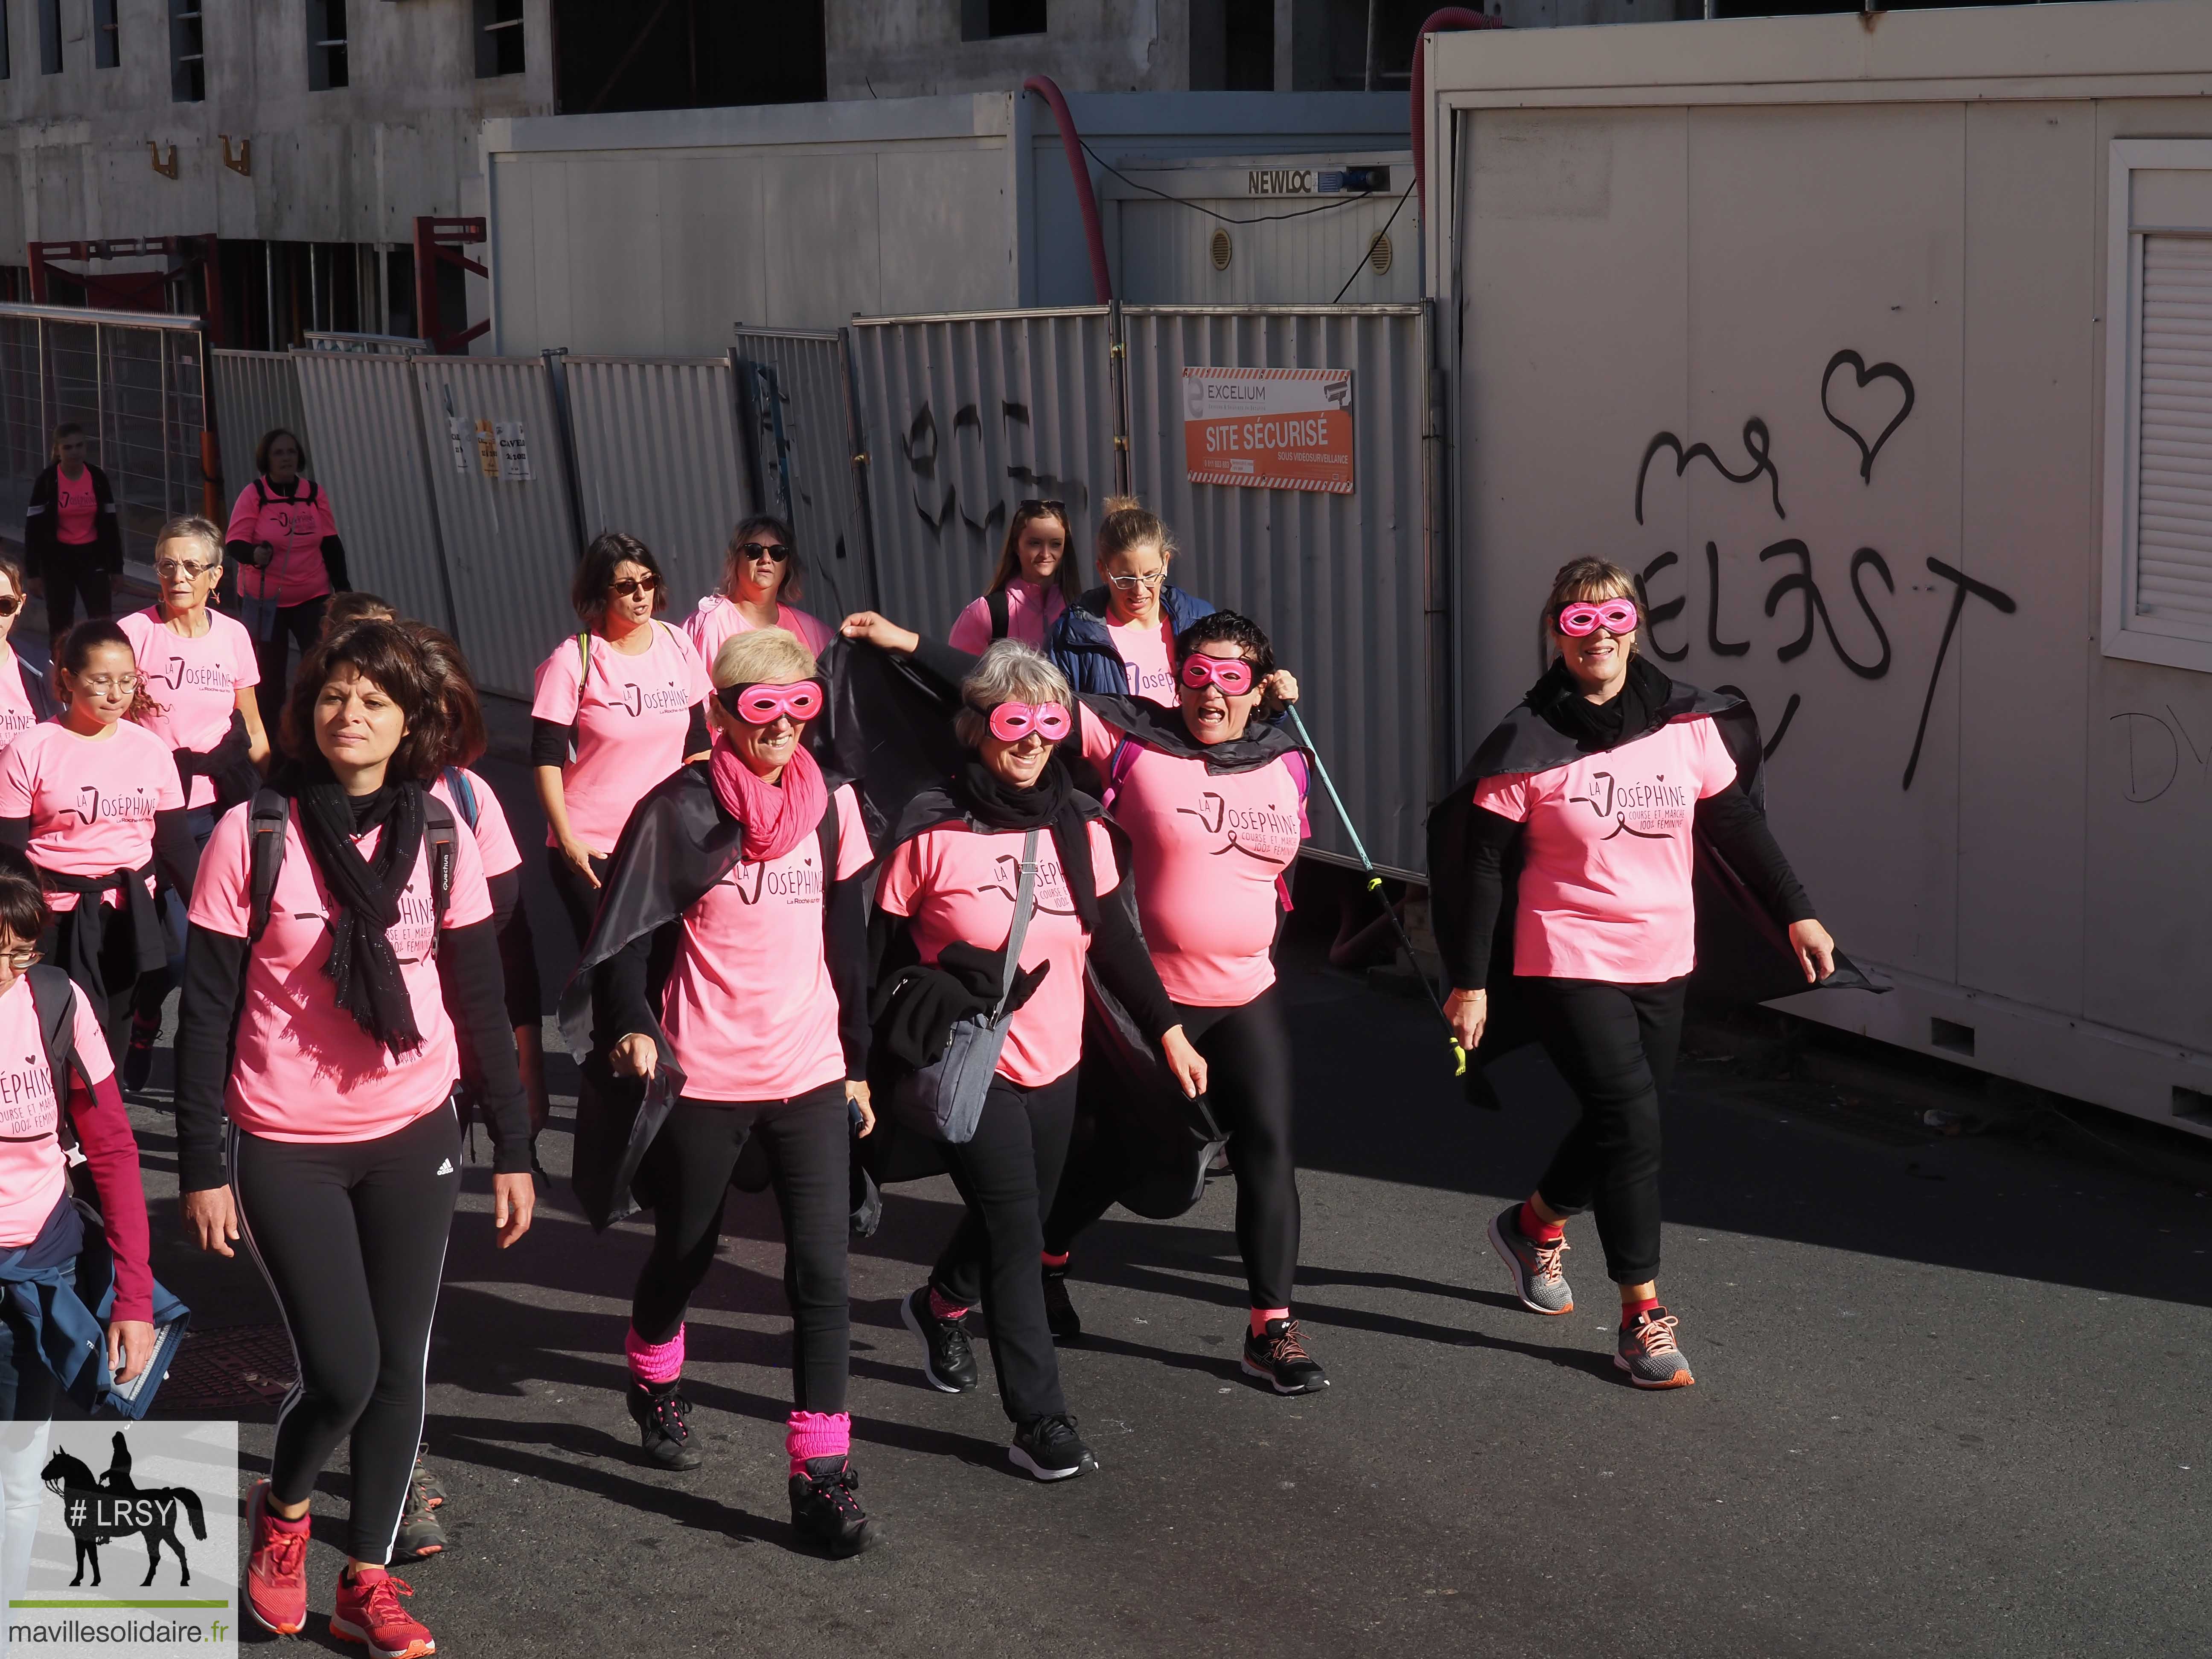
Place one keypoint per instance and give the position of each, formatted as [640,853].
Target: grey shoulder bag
[944,1099]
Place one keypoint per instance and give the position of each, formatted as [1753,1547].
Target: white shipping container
[1882,348]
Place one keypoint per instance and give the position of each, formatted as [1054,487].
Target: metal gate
[796,394]
[254,393]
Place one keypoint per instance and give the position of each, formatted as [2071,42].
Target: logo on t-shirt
[131,807]
[1265,833]
[27,1099]
[1144,682]
[179,674]
[1052,895]
[638,700]
[1657,811]
[800,886]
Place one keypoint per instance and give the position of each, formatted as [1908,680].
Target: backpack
[53,994]
[272,812]
[464,795]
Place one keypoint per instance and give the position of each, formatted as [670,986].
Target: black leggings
[1615,1045]
[578,896]
[351,1236]
[294,621]
[66,580]
[686,1172]
[1007,1173]
[1247,1056]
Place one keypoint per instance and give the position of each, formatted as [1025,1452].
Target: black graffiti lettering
[1756,443]
[922,445]
[1714,643]
[1802,582]
[1655,613]
[1964,585]
[1789,713]
[1879,372]
[2153,762]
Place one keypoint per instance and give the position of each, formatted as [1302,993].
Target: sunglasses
[1013,721]
[775,550]
[1584,618]
[629,587]
[182,568]
[1232,674]
[9,607]
[761,705]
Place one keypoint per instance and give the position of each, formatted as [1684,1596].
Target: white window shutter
[2174,529]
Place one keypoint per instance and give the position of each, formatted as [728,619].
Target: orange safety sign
[1269,429]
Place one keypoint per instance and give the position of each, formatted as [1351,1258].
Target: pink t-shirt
[631,720]
[32,1171]
[194,682]
[495,836]
[954,883]
[1605,878]
[91,801]
[718,618]
[750,1006]
[1206,849]
[304,1069]
[1032,608]
[1148,658]
[295,526]
[76,505]
[16,714]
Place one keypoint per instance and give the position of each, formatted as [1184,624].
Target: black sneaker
[825,1512]
[420,1533]
[1060,1314]
[661,1413]
[138,1056]
[1278,1356]
[948,1358]
[1050,1449]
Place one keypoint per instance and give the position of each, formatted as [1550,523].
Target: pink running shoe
[275,1568]
[368,1611]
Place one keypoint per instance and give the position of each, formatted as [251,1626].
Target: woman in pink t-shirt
[26,695]
[946,899]
[1033,583]
[96,801]
[72,539]
[1119,638]
[618,708]
[760,574]
[285,543]
[315,1020]
[747,894]
[1586,800]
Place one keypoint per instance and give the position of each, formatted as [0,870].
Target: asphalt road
[1950,1400]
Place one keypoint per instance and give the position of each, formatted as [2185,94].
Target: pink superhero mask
[759,705]
[1583,618]
[1013,721]
[1232,674]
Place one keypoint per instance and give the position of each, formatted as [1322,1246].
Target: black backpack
[995,603]
[54,995]
[272,812]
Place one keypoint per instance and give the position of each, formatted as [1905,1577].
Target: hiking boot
[1060,1314]
[368,1611]
[432,1492]
[662,1415]
[420,1533]
[1648,1353]
[948,1358]
[1278,1356]
[276,1569]
[825,1512]
[1535,1265]
[1050,1449]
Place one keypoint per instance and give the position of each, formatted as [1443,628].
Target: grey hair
[1009,672]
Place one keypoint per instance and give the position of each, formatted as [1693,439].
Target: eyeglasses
[9,607]
[1232,674]
[125,683]
[20,962]
[630,587]
[761,705]
[1013,721]
[182,567]
[1584,617]
[775,550]
[1138,584]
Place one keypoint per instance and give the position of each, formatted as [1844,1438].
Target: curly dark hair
[466,738]
[412,677]
[595,573]
[1240,631]
[75,649]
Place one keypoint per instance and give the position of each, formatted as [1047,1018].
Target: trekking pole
[1374,886]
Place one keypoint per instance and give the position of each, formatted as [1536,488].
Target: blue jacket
[1084,651]
[69,1335]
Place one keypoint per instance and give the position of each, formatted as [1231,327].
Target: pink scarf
[777,817]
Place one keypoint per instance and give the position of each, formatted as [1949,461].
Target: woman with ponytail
[341,927]
[1119,638]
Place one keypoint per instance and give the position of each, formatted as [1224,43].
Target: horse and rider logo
[98,1511]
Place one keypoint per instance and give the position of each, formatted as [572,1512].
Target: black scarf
[1593,726]
[1051,802]
[364,893]
[1162,728]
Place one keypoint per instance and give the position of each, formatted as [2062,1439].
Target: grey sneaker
[1648,1353]
[1537,1279]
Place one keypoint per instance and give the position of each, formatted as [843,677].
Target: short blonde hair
[1009,672]
[1587,579]
[762,656]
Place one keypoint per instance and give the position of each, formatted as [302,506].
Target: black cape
[1743,951]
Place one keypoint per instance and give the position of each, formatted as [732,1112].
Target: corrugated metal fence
[796,393]
[254,393]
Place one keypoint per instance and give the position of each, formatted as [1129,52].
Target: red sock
[945,1310]
[280,1524]
[1052,1260]
[1630,1309]
[1534,1226]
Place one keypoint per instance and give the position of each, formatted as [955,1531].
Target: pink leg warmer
[654,1362]
[816,1434]
[945,1310]
[1262,1315]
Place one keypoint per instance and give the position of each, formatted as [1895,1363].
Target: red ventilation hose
[1448,17]
[1102,282]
